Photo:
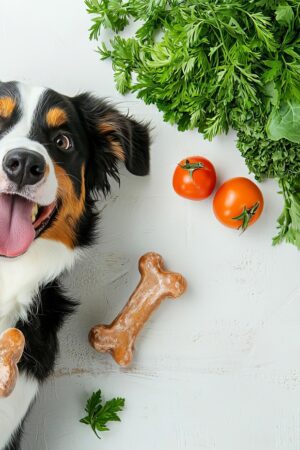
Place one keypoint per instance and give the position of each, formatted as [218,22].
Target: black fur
[132,136]
[15,441]
[50,309]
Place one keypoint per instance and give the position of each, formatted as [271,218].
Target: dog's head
[55,151]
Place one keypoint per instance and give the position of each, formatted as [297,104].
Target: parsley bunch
[216,64]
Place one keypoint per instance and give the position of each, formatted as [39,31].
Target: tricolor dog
[56,153]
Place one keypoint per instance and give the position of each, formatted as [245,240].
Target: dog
[56,154]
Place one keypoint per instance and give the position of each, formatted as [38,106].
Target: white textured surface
[218,369]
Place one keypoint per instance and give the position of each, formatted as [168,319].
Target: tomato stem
[191,167]
[246,216]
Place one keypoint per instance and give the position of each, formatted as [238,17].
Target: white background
[216,369]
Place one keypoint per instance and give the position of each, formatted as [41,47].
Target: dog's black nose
[24,166]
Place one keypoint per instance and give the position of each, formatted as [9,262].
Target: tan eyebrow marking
[7,106]
[56,117]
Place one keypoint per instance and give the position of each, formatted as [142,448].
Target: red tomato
[238,203]
[194,178]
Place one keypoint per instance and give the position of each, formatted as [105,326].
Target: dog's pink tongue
[16,229]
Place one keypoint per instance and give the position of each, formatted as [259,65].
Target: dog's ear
[112,137]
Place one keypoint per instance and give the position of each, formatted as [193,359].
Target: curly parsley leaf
[98,415]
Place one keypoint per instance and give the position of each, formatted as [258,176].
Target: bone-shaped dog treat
[155,285]
[12,344]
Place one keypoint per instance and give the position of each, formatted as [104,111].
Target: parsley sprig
[98,414]
[215,65]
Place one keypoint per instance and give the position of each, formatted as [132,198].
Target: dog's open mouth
[21,221]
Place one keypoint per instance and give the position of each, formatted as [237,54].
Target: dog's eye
[63,142]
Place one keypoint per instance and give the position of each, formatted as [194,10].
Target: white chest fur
[14,407]
[21,277]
